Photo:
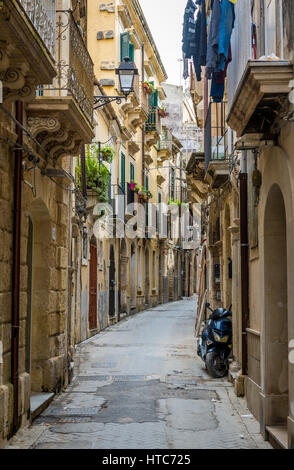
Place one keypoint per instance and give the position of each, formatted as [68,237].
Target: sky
[165,20]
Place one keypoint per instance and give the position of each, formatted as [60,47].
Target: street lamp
[126,73]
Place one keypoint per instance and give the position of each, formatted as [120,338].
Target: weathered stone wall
[43,289]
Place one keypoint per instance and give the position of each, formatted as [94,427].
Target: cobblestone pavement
[139,384]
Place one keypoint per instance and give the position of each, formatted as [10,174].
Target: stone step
[278,436]
[39,402]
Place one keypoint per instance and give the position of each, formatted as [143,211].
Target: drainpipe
[83,171]
[143,127]
[243,178]
[15,323]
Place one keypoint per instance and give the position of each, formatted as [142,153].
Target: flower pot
[141,193]
[147,89]
[132,186]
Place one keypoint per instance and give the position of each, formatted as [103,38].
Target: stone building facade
[248,202]
[61,281]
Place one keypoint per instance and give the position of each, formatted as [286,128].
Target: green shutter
[123,172]
[131,52]
[155,98]
[127,49]
[124,45]
[132,172]
[147,182]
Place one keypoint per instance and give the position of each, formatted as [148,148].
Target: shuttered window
[132,172]
[123,172]
[127,49]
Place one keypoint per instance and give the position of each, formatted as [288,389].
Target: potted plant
[133,185]
[149,194]
[142,191]
[148,87]
[162,112]
[107,153]
[137,188]
[97,175]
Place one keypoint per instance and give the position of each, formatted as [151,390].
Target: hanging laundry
[188,39]
[225,32]
[186,67]
[213,38]
[199,57]
[218,81]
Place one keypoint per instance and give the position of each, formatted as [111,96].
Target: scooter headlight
[219,339]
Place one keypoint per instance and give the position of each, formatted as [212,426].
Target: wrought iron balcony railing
[42,14]
[216,134]
[75,69]
[153,123]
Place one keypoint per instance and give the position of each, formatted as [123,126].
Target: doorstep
[278,436]
[40,401]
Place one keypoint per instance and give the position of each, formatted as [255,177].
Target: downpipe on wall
[244,245]
[15,315]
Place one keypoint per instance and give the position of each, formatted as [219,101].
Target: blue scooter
[215,344]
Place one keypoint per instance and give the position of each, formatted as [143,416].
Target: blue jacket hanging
[213,38]
[199,57]
[225,32]
[188,40]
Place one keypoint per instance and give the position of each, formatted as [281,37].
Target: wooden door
[93,288]
[112,284]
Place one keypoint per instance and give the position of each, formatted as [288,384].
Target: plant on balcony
[162,112]
[107,153]
[134,186]
[149,194]
[97,175]
[148,87]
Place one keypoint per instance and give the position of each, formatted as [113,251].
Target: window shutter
[131,52]
[132,172]
[155,98]
[123,172]
[124,45]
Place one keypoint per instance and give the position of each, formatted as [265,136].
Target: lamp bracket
[100,101]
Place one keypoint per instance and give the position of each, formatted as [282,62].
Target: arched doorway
[147,278]
[39,244]
[123,278]
[93,286]
[133,283]
[111,284]
[275,330]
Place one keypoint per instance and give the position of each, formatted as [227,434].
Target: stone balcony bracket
[264,85]
[217,173]
[20,45]
[57,125]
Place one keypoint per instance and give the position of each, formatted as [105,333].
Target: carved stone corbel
[43,125]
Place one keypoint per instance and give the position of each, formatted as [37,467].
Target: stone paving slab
[139,384]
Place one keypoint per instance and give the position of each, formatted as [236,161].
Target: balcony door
[93,281]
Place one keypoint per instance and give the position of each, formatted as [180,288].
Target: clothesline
[206,41]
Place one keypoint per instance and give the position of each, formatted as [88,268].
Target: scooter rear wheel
[215,366]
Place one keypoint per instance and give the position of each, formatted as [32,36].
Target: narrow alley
[139,384]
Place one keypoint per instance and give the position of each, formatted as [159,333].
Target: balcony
[164,146]
[259,96]
[66,106]
[152,127]
[27,47]
[136,107]
[216,145]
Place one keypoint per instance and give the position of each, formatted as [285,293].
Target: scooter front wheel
[215,366]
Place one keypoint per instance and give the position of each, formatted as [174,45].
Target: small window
[127,49]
